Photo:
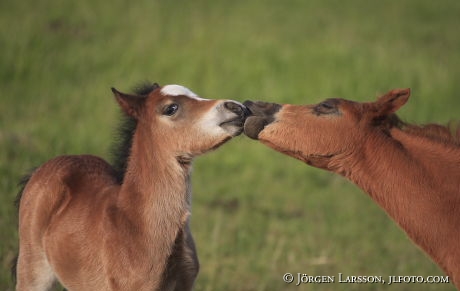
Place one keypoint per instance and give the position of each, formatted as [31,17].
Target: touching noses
[260,108]
[237,108]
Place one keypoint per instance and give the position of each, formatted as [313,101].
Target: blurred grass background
[256,214]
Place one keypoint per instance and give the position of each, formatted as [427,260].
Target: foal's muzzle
[241,112]
[262,114]
[238,108]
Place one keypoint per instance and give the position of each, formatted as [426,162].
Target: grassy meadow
[256,213]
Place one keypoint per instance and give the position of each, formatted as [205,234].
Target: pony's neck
[417,182]
[155,195]
[155,184]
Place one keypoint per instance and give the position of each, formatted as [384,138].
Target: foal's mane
[121,149]
[447,134]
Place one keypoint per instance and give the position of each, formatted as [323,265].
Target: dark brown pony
[94,226]
[413,172]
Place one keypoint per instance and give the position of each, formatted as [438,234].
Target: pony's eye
[170,109]
[326,107]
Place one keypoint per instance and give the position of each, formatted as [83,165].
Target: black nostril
[247,112]
[234,107]
[248,103]
[262,108]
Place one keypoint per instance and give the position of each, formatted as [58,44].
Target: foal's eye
[170,109]
[326,107]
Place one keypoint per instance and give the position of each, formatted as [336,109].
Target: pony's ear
[131,104]
[391,102]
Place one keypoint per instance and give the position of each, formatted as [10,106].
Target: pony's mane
[121,149]
[145,88]
[447,134]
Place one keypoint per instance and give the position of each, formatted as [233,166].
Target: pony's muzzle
[237,108]
[236,115]
[260,108]
[262,114]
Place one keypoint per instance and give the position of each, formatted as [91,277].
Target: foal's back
[54,212]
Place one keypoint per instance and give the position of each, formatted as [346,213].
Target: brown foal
[93,226]
[412,172]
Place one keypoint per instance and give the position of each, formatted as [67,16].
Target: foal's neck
[417,185]
[155,196]
[404,168]
[152,204]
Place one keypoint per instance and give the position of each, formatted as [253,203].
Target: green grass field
[256,213]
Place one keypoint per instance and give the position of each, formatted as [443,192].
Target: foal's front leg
[189,265]
[33,271]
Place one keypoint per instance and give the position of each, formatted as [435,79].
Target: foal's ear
[131,104]
[391,101]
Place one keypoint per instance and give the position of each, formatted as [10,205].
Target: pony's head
[181,122]
[315,133]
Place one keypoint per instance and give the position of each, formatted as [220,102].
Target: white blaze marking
[176,90]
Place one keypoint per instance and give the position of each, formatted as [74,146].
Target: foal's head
[180,122]
[314,133]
